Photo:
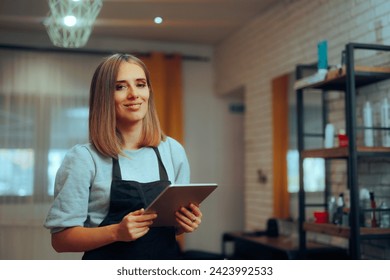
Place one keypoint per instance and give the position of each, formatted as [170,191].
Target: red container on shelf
[321,217]
[343,138]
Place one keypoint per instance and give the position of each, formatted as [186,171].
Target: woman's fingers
[196,210]
[135,225]
[193,215]
[189,219]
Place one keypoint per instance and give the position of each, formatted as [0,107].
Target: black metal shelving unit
[346,79]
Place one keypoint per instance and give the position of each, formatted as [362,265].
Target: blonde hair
[103,133]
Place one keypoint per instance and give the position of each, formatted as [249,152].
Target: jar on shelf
[343,138]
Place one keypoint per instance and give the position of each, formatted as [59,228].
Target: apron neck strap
[161,167]
[116,169]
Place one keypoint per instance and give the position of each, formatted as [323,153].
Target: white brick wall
[271,45]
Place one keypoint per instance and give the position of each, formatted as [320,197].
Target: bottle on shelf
[332,207]
[374,222]
[338,215]
[367,120]
[365,216]
[384,215]
[385,123]
[329,136]
[322,53]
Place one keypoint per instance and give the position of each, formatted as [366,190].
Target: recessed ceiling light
[158,20]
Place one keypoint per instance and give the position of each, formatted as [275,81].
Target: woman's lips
[133,105]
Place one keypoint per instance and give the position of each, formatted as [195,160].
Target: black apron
[128,196]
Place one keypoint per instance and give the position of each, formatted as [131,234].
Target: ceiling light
[158,20]
[70,22]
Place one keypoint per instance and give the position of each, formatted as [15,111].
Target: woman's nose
[131,93]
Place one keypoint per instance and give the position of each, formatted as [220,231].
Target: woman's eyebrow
[137,80]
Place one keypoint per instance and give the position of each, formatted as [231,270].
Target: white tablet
[175,196]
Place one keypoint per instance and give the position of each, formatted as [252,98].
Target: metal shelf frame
[349,86]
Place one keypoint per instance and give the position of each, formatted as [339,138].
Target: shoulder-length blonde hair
[103,133]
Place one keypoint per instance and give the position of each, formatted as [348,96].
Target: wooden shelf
[364,75]
[342,152]
[342,231]
[339,152]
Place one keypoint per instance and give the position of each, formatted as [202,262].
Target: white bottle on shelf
[367,121]
[329,136]
[385,123]
[385,215]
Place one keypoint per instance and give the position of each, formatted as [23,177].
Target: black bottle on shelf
[374,222]
[338,215]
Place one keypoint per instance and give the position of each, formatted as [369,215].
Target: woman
[102,187]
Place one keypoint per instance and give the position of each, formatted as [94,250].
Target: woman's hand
[188,219]
[134,225]
[80,239]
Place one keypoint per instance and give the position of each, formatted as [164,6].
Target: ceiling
[185,21]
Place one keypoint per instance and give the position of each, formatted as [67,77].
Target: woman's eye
[141,85]
[120,87]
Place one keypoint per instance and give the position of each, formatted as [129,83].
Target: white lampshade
[70,22]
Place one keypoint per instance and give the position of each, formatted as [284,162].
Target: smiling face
[131,95]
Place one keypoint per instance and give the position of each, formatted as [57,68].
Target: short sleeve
[180,162]
[71,190]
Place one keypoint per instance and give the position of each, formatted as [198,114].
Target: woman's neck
[131,135]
